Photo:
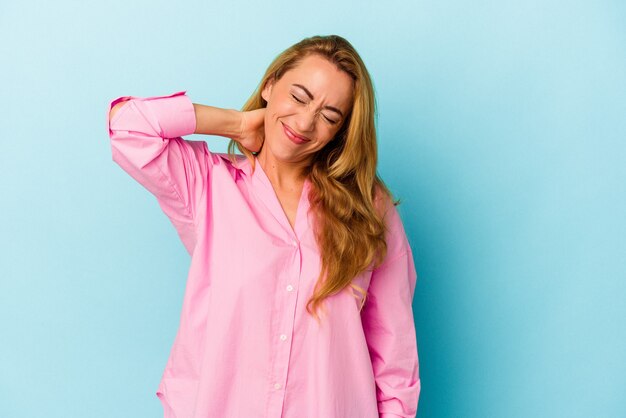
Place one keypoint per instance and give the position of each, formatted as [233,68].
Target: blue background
[501,126]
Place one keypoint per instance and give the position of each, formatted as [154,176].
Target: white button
[294,243]
[289,288]
[276,385]
[283,337]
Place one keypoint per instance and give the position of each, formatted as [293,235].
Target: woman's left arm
[389,328]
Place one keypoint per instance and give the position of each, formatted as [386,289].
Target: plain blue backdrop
[501,126]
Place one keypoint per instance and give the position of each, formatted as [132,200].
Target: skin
[283,160]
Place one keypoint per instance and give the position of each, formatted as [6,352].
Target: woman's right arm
[245,127]
[116,108]
[146,142]
[212,120]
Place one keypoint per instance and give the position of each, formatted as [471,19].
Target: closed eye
[300,101]
[330,120]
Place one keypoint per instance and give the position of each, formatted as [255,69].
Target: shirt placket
[284,320]
[285,302]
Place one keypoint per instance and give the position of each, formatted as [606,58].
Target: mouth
[298,139]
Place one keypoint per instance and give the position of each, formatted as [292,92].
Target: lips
[293,136]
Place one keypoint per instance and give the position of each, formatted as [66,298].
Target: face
[305,109]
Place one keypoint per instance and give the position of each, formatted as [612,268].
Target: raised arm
[115,109]
[146,141]
[217,121]
[210,120]
[247,128]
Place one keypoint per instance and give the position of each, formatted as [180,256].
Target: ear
[267,90]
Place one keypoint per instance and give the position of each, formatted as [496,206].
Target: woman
[299,297]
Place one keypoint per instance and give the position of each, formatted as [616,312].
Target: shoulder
[395,234]
[385,205]
[222,161]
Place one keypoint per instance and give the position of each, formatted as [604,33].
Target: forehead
[323,79]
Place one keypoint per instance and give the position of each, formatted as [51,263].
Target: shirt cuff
[174,114]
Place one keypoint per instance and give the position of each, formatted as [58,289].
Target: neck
[283,175]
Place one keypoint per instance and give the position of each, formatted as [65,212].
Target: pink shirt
[246,347]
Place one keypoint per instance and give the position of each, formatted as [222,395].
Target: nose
[305,122]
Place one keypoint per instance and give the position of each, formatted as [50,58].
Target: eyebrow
[308,93]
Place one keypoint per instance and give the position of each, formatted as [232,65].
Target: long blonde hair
[346,188]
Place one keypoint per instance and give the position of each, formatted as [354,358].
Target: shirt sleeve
[389,327]
[146,142]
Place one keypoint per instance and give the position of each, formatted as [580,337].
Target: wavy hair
[346,189]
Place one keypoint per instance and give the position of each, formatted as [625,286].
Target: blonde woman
[298,302]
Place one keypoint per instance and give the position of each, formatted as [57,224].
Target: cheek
[329,133]
[324,141]
[284,108]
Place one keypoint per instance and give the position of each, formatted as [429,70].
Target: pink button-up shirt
[246,347]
